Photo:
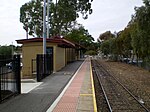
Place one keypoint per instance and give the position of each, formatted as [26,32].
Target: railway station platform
[68,90]
[79,94]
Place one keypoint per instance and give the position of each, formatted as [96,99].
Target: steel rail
[103,90]
[147,110]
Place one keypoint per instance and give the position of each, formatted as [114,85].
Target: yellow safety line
[86,94]
[93,90]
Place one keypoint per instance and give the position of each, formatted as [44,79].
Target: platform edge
[51,108]
[93,89]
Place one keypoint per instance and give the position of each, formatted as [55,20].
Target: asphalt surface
[42,97]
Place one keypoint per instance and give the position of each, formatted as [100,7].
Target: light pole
[12,50]
[27,24]
[44,27]
[48,5]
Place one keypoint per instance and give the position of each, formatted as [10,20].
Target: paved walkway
[69,90]
[79,95]
[43,96]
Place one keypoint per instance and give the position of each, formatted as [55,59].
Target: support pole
[48,5]
[44,27]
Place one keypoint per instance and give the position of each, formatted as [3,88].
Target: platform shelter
[61,50]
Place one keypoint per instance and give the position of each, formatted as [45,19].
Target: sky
[108,15]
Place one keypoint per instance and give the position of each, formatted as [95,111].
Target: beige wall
[30,50]
[70,55]
[59,58]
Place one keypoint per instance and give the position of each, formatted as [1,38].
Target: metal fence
[33,65]
[44,66]
[10,83]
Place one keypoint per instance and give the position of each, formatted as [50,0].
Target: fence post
[44,65]
[17,73]
[37,66]
[0,86]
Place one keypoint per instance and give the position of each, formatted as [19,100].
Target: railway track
[115,97]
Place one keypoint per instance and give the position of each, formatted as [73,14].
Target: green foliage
[120,46]
[136,36]
[140,33]
[90,52]
[80,36]
[105,48]
[113,46]
[31,15]
[63,15]
[5,50]
[106,35]
[125,37]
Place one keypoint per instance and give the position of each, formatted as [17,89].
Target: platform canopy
[62,42]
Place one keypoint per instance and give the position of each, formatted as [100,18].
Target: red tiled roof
[79,46]
[60,41]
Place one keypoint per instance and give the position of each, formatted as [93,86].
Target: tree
[107,42]
[105,47]
[63,15]
[31,15]
[135,36]
[90,52]
[141,35]
[80,36]
[6,50]
[119,46]
[125,37]
[106,35]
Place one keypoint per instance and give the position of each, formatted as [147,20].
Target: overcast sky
[112,15]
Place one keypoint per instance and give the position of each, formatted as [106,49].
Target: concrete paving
[44,93]
[26,87]
[79,96]
[86,98]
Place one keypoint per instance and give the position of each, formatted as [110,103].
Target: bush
[90,52]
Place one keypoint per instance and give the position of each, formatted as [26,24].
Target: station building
[61,50]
